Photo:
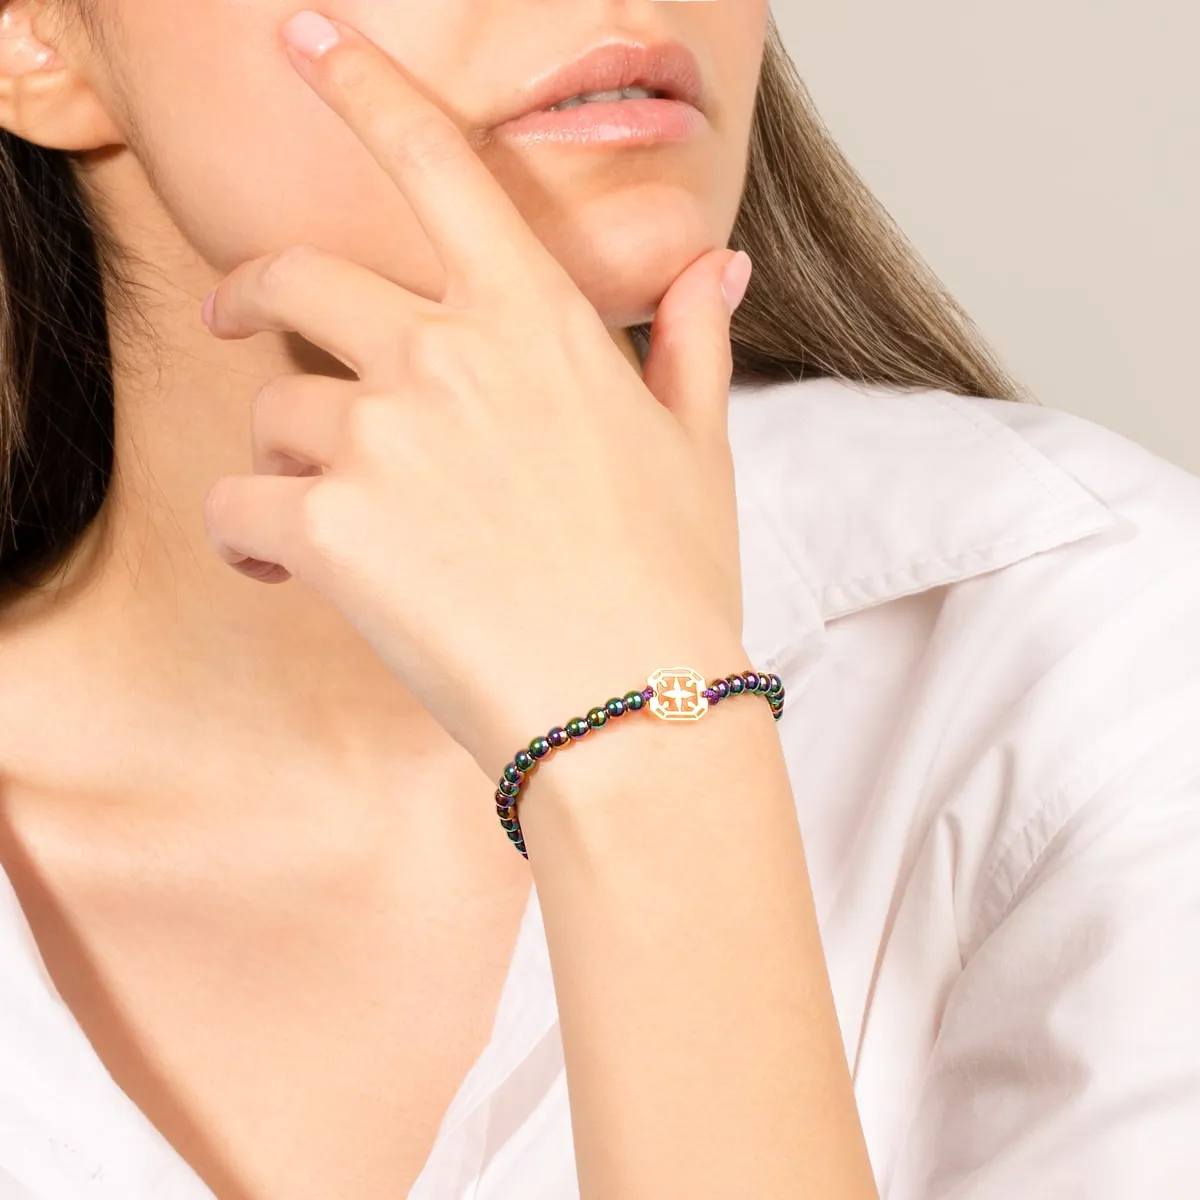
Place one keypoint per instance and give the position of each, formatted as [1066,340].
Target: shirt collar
[850,495]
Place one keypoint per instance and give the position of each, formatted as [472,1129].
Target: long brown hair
[836,291]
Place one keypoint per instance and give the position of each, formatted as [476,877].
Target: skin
[202,168]
[272,841]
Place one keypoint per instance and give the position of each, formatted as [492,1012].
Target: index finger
[478,233]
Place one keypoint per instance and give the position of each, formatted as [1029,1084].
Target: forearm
[703,1052]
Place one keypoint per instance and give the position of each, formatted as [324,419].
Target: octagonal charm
[677,694]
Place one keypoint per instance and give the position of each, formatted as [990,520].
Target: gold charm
[677,694]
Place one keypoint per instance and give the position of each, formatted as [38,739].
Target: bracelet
[671,693]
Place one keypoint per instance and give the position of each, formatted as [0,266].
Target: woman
[264,931]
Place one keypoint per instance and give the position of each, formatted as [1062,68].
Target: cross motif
[677,694]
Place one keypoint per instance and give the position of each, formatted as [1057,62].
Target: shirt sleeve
[1067,1062]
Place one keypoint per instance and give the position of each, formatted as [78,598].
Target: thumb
[690,361]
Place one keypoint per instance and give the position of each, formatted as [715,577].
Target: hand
[518,524]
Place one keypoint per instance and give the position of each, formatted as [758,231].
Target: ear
[44,96]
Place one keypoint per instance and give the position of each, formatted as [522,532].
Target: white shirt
[987,618]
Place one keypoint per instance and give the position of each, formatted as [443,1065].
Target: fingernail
[310,33]
[206,310]
[735,279]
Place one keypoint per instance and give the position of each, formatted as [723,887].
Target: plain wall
[1044,158]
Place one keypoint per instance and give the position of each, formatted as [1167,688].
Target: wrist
[644,778]
[585,677]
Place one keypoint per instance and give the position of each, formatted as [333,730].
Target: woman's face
[244,158]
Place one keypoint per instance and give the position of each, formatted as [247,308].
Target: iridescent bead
[526,759]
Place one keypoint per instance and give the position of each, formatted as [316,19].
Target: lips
[665,67]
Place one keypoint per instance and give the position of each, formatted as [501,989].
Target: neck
[168,638]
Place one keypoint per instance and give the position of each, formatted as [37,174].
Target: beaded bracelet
[671,693]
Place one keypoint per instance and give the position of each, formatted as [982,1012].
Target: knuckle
[214,506]
[282,268]
[426,352]
[371,425]
[266,400]
[324,517]
[569,310]
[389,351]
[426,143]
[350,72]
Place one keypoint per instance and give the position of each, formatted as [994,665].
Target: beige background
[1045,159]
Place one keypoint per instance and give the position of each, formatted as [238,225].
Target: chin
[625,252]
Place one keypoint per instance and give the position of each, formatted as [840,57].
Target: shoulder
[1091,656]
[1004,718]
[1119,607]
[1154,500]
[838,438]
[864,494]
[1041,571]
